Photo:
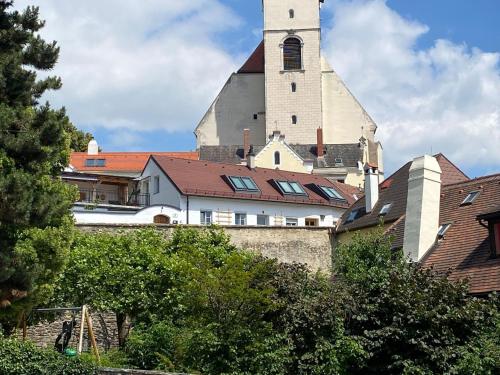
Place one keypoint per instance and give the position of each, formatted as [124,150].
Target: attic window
[471,197]
[443,229]
[331,193]
[95,162]
[355,214]
[290,188]
[385,209]
[277,158]
[243,184]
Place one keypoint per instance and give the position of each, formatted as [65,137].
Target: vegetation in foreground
[198,304]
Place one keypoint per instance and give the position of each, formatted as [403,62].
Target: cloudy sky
[140,74]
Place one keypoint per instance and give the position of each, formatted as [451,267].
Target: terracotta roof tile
[255,63]
[204,178]
[122,161]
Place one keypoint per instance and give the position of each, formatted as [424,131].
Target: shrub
[24,358]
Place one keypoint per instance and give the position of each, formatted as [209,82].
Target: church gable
[277,154]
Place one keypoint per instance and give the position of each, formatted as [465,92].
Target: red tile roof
[123,161]
[204,178]
[394,190]
[255,63]
[465,248]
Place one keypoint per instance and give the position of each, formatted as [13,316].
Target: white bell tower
[292,37]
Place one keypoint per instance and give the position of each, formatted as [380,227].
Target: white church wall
[276,14]
[344,119]
[233,110]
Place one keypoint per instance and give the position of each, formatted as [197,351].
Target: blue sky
[140,76]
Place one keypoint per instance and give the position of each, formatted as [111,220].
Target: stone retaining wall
[311,246]
[43,329]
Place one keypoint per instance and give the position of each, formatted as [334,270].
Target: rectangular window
[471,197]
[89,162]
[95,162]
[206,217]
[331,193]
[496,233]
[290,187]
[262,220]
[100,162]
[292,222]
[156,184]
[240,219]
[245,184]
[310,222]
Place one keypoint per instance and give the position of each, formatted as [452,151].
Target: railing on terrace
[109,197]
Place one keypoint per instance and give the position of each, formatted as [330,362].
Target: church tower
[293,98]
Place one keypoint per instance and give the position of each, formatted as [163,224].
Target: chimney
[422,207]
[371,186]
[93,148]
[246,142]
[251,159]
[320,149]
[308,165]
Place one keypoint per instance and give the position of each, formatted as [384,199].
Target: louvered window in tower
[292,54]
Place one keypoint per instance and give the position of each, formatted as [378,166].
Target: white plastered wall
[344,119]
[289,160]
[233,110]
[168,194]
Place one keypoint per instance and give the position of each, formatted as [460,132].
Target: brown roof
[394,190]
[122,161]
[255,63]
[465,248]
[204,178]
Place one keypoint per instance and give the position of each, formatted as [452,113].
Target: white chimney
[93,148]
[422,207]
[251,159]
[371,186]
[309,165]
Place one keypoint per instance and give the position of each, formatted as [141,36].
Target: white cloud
[442,99]
[140,65]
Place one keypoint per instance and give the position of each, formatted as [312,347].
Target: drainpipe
[187,209]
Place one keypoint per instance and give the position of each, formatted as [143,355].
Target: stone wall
[43,329]
[311,246]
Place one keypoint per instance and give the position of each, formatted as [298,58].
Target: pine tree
[35,221]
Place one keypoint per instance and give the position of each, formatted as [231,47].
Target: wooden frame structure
[85,319]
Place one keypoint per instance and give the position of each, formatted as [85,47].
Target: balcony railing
[109,197]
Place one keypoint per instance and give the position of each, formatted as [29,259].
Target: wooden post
[25,332]
[82,325]
[88,319]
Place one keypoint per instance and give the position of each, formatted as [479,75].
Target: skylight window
[355,214]
[331,193]
[385,209]
[291,188]
[443,229]
[471,197]
[243,184]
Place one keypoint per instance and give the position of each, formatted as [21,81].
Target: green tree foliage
[23,358]
[79,140]
[34,147]
[409,320]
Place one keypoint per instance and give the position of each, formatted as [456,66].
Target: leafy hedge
[24,358]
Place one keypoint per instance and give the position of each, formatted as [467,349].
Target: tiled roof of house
[204,178]
[122,161]
[465,248]
[255,63]
[348,154]
[394,190]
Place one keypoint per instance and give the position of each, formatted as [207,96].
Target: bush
[24,358]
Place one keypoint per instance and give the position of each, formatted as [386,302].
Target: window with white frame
[156,184]
[240,219]
[206,217]
[292,222]
[263,220]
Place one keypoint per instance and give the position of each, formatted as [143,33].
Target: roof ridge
[472,181]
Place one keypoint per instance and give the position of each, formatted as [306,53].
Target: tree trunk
[123,323]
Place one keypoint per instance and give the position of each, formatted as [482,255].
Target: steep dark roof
[255,63]
[465,248]
[349,153]
[395,190]
[204,178]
